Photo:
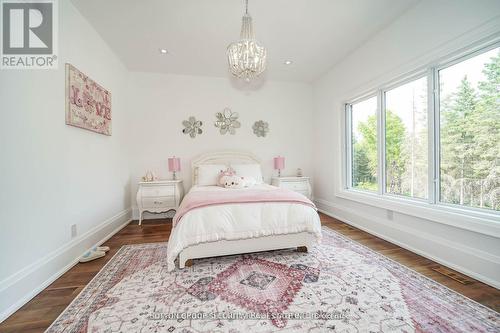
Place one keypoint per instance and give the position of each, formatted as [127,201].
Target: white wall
[429,30]
[53,175]
[161,102]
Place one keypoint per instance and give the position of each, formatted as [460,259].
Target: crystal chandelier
[247,59]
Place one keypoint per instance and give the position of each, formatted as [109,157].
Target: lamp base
[174,176]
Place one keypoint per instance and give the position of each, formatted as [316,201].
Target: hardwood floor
[38,314]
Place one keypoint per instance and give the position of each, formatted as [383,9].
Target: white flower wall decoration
[192,127]
[227,121]
[260,128]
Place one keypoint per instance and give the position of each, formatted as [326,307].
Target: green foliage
[457,132]
[361,170]
[487,118]
[395,155]
[370,186]
[365,159]
[368,130]
[365,156]
[470,142]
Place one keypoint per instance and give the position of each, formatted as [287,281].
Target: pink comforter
[195,200]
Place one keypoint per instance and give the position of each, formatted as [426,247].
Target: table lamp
[174,165]
[279,164]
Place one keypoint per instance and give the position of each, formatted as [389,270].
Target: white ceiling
[314,34]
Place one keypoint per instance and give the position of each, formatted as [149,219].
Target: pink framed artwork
[88,105]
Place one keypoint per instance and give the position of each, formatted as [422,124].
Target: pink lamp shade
[174,164]
[279,163]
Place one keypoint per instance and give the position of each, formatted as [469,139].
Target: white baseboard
[21,287]
[436,247]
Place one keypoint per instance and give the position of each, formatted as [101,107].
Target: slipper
[101,248]
[91,255]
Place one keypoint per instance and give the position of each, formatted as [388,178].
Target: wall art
[227,121]
[192,127]
[260,128]
[88,105]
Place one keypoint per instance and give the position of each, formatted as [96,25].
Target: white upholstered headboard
[222,157]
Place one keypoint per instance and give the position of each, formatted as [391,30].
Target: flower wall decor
[227,121]
[192,127]
[260,128]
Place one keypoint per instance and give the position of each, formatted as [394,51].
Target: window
[406,150]
[364,144]
[469,121]
[401,136]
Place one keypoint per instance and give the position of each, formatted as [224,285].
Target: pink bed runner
[200,199]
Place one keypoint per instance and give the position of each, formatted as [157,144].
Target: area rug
[338,286]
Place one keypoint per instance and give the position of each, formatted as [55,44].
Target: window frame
[437,120]
[348,139]
[431,208]
[417,75]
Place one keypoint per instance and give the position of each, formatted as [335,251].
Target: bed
[279,219]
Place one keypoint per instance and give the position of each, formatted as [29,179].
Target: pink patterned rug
[339,286]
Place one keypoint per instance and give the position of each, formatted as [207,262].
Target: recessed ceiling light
[288,62]
[163,51]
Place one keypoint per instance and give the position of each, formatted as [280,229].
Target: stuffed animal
[237,182]
[222,174]
[233,182]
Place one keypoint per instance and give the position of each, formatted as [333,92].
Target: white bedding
[239,221]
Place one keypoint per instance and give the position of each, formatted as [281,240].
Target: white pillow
[249,171]
[208,173]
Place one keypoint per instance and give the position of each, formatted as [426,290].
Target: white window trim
[420,74]
[348,136]
[469,218]
[381,176]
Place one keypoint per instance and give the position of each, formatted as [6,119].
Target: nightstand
[297,184]
[159,196]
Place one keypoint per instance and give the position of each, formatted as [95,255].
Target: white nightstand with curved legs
[297,184]
[159,196]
